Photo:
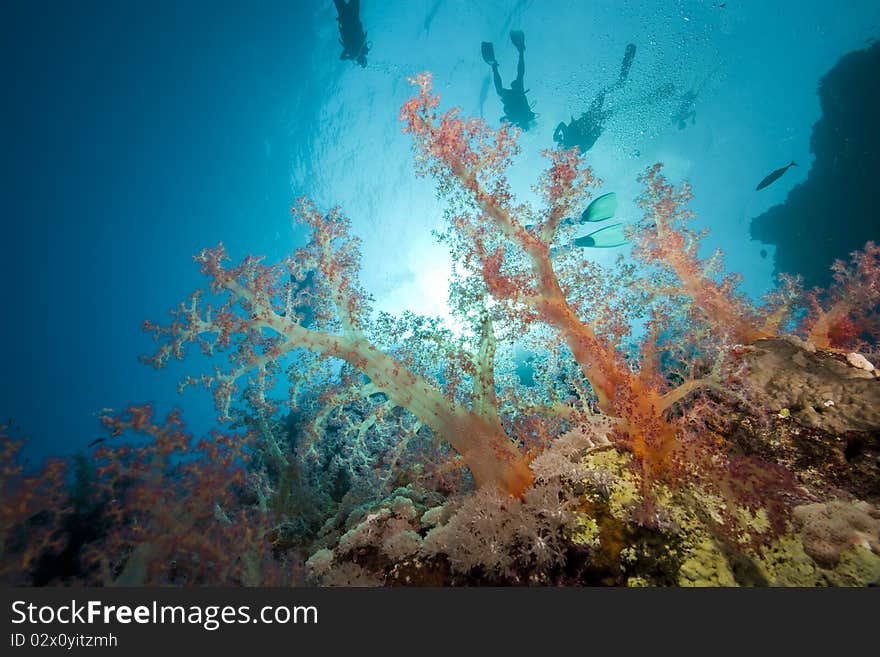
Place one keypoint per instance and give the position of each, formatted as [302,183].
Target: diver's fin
[601,209]
[488,53]
[519,39]
[604,238]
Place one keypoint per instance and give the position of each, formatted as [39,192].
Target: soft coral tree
[29,513]
[508,245]
[173,507]
[512,284]
[848,313]
[170,510]
[258,325]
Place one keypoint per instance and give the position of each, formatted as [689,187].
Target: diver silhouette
[584,131]
[687,103]
[352,37]
[516,106]
[687,109]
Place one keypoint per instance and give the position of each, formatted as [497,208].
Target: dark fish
[96,441]
[776,175]
[763,253]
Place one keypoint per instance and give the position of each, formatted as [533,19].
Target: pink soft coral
[849,311]
[507,282]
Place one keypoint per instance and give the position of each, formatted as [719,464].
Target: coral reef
[170,512]
[829,529]
[822,390]
[653,442]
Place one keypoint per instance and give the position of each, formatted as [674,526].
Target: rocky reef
[834,211]
[578,523]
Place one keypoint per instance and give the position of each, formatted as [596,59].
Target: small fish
[96,441]
[604,238]
[600,209]
[771,178]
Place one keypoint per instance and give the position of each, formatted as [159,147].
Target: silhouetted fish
[776,175]
[96,441]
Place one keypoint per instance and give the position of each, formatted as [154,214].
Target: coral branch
[473,157]
[251,325]
[668,242]
[508,246]
[849,312]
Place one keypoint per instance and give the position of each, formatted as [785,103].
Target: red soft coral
[847,315]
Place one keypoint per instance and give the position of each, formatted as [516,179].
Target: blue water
[138,133]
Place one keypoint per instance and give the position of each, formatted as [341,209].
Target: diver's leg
[499,87]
